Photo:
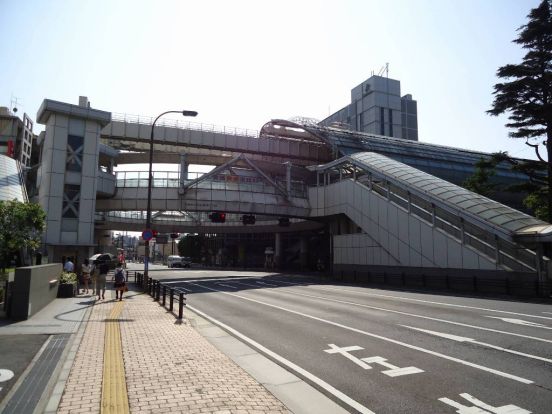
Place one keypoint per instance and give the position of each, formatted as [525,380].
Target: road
[384,351]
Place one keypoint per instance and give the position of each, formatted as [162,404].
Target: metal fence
[164,294]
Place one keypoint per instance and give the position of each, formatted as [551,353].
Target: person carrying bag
[120,281]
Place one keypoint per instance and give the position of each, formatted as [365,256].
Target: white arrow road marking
[345,351]
[414,315]
[473,341]
[383,338]
[393,370]
[520,322]
[479,407]
[5,375]
[287,363]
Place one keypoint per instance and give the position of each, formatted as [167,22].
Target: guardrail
[196,126]
[160,291]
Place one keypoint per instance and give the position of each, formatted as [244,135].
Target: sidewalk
[133,357]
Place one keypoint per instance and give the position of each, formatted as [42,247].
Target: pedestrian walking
[101,280]
[120,281]
[87,270]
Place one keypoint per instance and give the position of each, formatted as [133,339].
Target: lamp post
[148,209]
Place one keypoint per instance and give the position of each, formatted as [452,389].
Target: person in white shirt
[69,266]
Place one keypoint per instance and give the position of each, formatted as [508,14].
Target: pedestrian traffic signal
[283,222]
[248,219]
[217,217]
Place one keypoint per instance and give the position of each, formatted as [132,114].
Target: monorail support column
[183,169]
[277,250]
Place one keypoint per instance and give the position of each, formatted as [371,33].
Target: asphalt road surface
[384,351]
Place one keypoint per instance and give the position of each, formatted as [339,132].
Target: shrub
[68,277]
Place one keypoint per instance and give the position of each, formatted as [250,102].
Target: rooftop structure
[377,108]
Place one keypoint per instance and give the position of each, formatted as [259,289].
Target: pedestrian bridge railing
[171,179]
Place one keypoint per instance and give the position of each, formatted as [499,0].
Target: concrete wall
[33,289]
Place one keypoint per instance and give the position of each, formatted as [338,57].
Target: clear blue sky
[242,63]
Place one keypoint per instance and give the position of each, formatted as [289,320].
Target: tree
[191,246]
[526,94]
[479,181]
[21,226]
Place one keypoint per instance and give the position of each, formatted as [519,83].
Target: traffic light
[283,222]
[217,217]
[248,219]
[154,233]
[174,236]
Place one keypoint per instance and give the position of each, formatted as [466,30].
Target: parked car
[174,261]
[108,258]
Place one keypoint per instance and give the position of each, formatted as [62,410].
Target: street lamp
[148,211]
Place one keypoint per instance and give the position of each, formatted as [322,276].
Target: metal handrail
[502,251]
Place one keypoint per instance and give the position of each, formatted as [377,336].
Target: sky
[242,63]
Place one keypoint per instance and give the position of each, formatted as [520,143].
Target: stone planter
[66,290]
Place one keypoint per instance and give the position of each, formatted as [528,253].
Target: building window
[382,121]
[390,122]
[71,201]
[75,146]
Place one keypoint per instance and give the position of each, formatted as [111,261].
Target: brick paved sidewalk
[168,367]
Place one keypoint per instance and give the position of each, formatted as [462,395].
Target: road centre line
[383,338]
[424,301]
[420,316]
[287,363]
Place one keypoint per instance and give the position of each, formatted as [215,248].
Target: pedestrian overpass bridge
[382,212]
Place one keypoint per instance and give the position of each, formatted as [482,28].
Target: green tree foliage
[536,187]
[191,245]
[526,93]
[479,182]
[21,226]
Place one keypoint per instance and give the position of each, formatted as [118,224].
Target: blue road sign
[147,234]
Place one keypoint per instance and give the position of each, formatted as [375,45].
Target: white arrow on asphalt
[521,322]
[473,341]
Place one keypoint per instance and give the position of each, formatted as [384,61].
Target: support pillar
[303,252]
[277,250]
[288,178]
[183,169]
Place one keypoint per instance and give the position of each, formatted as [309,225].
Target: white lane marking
[520,322]
[473,341]
[419,316]
[479,407]
[393,370]
[383,338]
[287,363]
[346,352]
[427,301]
[267,284]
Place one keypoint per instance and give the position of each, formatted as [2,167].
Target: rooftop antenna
[13,103]
[384,69]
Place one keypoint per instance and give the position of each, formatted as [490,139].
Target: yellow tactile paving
[114,389]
